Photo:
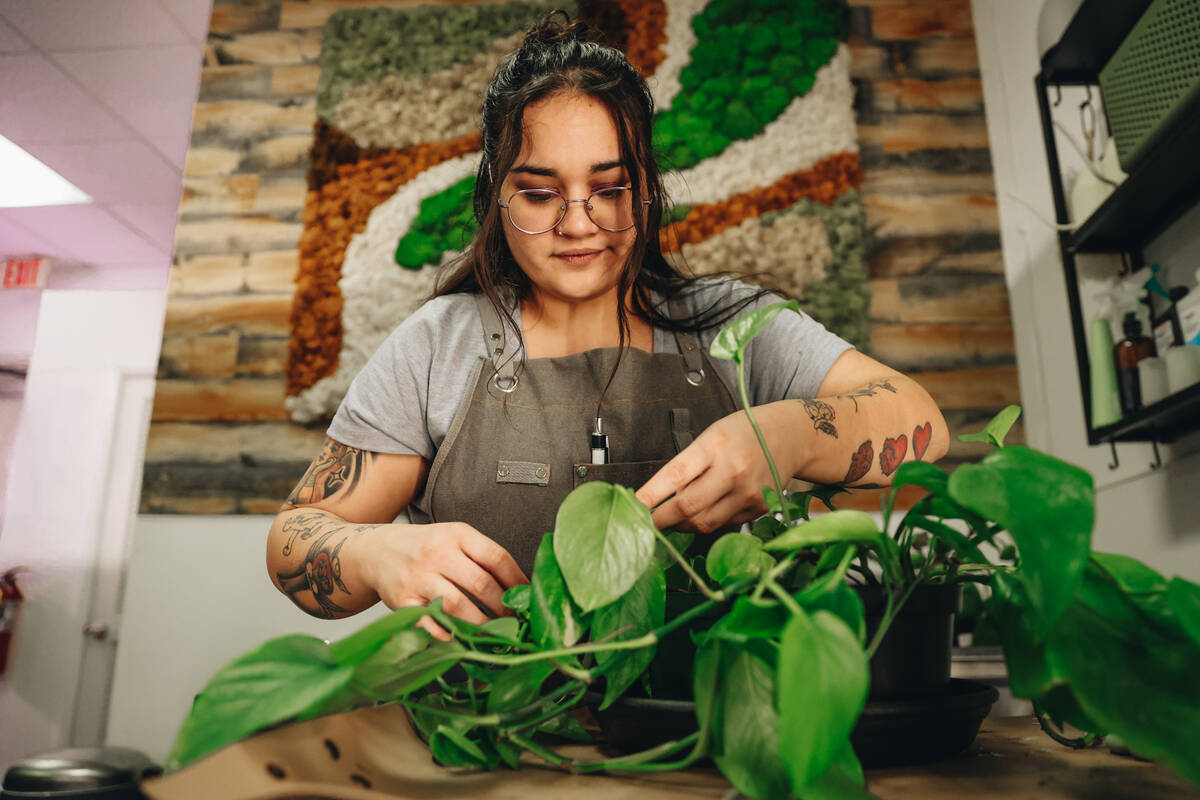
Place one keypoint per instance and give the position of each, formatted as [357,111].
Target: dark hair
[557,56]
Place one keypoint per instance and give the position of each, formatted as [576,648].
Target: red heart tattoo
[921,437]
[892,454]
[860,462]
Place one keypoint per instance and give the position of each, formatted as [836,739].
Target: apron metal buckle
[506,384]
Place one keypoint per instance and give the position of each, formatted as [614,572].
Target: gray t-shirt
[406,397]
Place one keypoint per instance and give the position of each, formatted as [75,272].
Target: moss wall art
[839,146]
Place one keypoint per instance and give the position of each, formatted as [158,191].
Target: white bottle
[1188,309]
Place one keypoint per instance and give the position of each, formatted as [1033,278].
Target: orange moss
[823,183]
[332,215]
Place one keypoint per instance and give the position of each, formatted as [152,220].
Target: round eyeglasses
[536,211]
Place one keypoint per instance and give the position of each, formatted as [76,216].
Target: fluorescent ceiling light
[25,181]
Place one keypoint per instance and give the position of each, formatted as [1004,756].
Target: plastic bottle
[1127,353]
[1189,314]
[1106,401]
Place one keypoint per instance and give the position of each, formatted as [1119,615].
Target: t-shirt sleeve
[384,410]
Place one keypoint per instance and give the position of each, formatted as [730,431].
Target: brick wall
[220,440]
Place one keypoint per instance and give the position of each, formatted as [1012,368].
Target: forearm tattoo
[321,570]
[891,456]
[870,390]
[338,467]
[822,416]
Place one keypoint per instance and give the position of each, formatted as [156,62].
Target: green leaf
[966,549]
[510,753]
[1131,575]
[1029,673]
[748,751]
[603,540]
[730,344]
[290,677]
[842,781]
[817,712]
[1184,599]
[844,603]
[515,687]
[747,621]
[565,726]
[502,628]
[706,683]
[1048,507]
[637,612]
[552,619]
[996,430]
[358,646]
[417,670]
[380,668]
[679,540]
[923,474]
[1130,678]
[836,526]
[517,598]
[734,557]
[452,748]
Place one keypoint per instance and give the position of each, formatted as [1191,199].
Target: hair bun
[552,30]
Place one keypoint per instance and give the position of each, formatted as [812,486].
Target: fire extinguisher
[10,604]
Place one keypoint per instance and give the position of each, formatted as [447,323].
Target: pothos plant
[780,667]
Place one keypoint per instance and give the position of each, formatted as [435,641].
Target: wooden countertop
[373,753]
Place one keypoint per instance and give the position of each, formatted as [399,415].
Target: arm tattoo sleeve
[822,416]
[338,467]
[860,462]
[870,390]
[321,570]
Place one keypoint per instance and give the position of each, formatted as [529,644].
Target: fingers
[427,624]
[697,503]
[674,475]
[454,602]
[492,557]
[476,582]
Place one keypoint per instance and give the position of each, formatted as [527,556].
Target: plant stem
[741,374]
[687,568]
[544,752]
[637,761]
[784,597]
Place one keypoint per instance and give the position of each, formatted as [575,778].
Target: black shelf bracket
[1116,462]
[1157,462]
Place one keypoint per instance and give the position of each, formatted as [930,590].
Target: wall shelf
[1161,187]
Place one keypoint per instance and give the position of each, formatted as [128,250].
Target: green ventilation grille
[1153,76]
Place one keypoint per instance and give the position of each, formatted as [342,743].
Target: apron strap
[504,369]
[689,345]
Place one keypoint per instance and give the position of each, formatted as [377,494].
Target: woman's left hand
[717,480]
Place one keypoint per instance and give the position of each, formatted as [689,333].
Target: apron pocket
[627,473]
[530,473]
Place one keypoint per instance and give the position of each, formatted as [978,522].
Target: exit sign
[25,273]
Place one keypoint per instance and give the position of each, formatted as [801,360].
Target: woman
[565,325]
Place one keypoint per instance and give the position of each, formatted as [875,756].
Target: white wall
[64,495]
[1150,514]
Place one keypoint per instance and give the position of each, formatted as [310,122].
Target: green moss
[365,44]
[841,299]
[446,221]
[751,59]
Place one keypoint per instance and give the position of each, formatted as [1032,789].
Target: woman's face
[569,144]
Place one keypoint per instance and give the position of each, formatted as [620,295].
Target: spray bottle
[1106,399]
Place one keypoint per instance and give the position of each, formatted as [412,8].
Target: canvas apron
[520,440]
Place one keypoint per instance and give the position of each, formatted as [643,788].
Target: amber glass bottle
[1127,353]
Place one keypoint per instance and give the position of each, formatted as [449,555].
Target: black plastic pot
[913,660]
[91,773]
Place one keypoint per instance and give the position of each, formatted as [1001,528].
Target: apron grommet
[540,472]
[581,471]
[502,472]
[695,376]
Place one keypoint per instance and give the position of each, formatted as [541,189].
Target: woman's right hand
[412,565]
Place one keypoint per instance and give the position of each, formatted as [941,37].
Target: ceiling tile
[153,88]
[87,24]
[11,41]
[89,234]
[114,172]
[39,103]
[156,221]
[194,15]
[16,240]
